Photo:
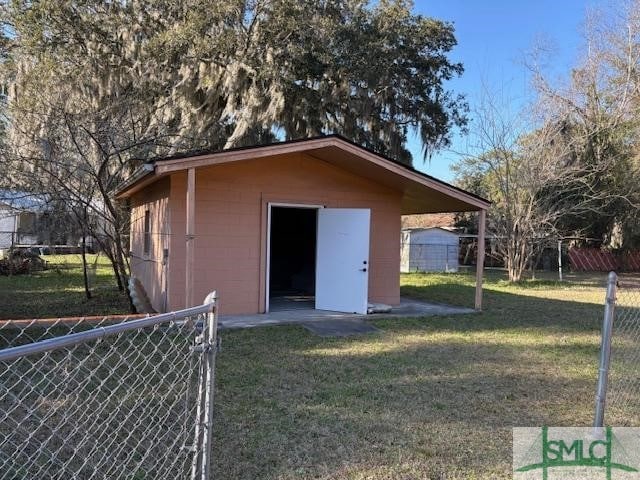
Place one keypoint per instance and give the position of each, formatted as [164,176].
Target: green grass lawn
[425,398]
[59,291]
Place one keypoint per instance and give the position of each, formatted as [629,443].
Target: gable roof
[24,201]
[422,193]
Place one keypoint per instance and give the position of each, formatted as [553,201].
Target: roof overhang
[421,193]
[20,201]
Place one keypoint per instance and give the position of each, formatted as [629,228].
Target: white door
[342,262]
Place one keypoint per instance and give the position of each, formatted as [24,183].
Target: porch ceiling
[421,193]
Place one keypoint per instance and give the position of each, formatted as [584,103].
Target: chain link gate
[94,401]
[618,388]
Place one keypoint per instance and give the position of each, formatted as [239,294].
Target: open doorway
[292,258]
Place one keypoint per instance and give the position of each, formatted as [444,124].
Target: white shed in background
[429,250]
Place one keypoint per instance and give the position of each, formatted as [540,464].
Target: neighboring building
[268,226]
[19,216]
[429,250]
[7,226]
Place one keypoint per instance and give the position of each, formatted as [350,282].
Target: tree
[96,87]
[513,167]
[525,164]
[567,165]
[225,74]
[597,110]
[78,159]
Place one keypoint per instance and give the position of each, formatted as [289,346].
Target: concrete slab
[407,308]
[340,328]
[417,308]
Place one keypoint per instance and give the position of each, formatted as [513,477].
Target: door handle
[363,269]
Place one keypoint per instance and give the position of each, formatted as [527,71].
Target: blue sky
[493,37]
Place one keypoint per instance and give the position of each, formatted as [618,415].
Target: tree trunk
[124,275]
[516,258]
[110,255]
[87,290]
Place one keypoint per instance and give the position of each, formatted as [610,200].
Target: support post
[482,220]
[15,231]
[190,238]
[605,351]
[560,260]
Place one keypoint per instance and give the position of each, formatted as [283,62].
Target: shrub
[19,262]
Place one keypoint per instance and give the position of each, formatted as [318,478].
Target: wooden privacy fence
[590,259]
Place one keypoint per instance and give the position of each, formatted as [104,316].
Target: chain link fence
[108,400]
[618,391]
[7,240]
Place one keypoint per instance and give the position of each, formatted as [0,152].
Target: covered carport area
[421,193]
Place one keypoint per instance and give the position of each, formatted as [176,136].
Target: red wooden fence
[597,260]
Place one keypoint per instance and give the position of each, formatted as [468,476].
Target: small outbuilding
[20,213]
[299,224]
[429,250]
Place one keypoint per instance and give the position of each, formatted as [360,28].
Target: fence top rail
[72,339]
[629,283]
[55,321]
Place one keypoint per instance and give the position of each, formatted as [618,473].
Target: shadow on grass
[505,310]
[428,397]
[541,278]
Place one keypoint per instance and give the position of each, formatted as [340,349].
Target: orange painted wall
[231,219]
[148,268]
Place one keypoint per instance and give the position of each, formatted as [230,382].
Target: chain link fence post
[209,381]
[605,350]
[207,346]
